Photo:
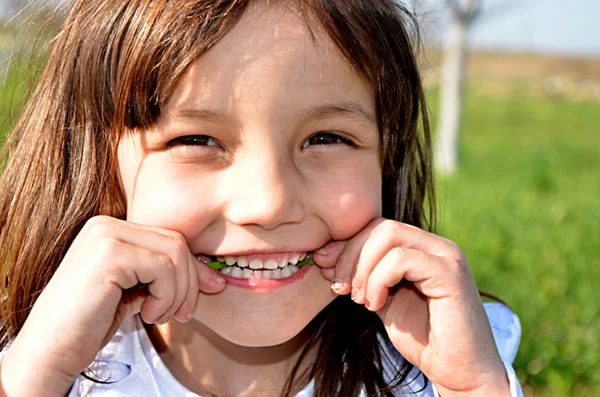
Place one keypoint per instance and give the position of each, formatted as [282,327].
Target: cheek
[350,205]
[168,202]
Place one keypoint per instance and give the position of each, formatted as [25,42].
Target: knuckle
[462,267]
[107,247]
[398,254]
[459,268]
[99,226]
[451,244]
[180,245]
[453,249]
[388,226]
[165,262]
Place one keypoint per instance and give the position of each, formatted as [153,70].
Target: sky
[546,26]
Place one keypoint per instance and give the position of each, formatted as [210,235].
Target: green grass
[525,208]
[15,82]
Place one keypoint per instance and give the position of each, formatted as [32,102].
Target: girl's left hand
[436,321]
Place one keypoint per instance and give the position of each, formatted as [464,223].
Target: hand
[435,318]
[113,270]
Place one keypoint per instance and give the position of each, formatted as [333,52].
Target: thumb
[327,255]
[210,280]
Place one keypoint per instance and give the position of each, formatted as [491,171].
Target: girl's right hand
[114,269]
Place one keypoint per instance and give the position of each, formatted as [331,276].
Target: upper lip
[264,253]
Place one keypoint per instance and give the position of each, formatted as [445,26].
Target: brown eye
[327,138]
[193,140]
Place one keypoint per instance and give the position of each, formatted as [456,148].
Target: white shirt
[131,362]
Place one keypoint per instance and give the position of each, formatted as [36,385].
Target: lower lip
[265,284]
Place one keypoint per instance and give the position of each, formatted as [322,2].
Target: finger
[187,308]
[346,264]
[135,265]
[430,274]
[123,228]
[168,242]
[384,236]
[329,274]
[182,267]
[327,256]
[389,272]
[210,280]
[132,300]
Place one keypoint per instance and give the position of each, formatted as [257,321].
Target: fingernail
[162,319]
[190,316]
[321,251]
[355,294]
[155,321]
[336,285]
[218,279]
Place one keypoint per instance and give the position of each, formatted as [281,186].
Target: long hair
[113,66]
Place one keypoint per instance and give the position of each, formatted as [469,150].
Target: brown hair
[113,65]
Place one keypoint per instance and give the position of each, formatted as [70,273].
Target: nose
[267,191]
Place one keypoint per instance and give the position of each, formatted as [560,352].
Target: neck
[205,363]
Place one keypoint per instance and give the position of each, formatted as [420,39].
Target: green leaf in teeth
[307,261]
[217,265]
[222,265]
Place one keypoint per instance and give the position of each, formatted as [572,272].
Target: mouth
[252,267]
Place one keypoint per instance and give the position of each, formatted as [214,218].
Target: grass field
[525,208]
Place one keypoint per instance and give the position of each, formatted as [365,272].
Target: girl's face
[268,148]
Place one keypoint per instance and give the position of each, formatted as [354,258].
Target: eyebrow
[342,108]
[214,116]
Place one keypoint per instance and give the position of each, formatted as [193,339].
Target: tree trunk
[451,86]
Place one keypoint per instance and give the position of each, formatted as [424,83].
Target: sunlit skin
[264,183]
[268,146]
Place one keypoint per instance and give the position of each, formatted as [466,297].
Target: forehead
[271,56]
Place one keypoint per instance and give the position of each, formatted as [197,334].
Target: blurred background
[514,92]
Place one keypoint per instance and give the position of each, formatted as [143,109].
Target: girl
[169,134]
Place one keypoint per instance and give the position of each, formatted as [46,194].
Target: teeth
[256,264]
[239,267]
[229,260]
[286,272]
[271,264]
[227,271]
[236,272]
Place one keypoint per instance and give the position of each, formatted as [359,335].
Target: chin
[261,320]
[274,338]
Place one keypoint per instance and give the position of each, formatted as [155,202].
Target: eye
[193,140]
[327,138]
